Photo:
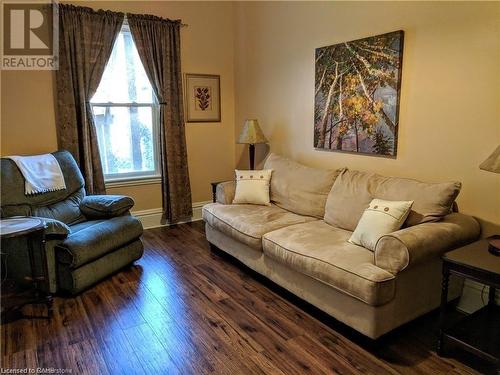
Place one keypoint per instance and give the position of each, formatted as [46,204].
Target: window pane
[125,131]
[125,136]
[124,79]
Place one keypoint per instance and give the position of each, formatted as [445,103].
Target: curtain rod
[182,24]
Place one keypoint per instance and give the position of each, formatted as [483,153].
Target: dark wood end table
[13,298]
[214,190]
[478,332]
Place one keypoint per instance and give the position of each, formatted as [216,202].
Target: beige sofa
[301,242]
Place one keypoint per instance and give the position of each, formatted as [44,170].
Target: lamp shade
[252,133]
[492,164]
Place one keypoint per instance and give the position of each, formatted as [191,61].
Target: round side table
[13,299]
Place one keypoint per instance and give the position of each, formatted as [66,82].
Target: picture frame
[202,96]
[357,95]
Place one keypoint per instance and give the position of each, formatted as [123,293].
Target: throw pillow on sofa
[252,187]
[380,218]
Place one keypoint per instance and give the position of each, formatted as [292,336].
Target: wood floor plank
[200,318]
[86,358]
[50,354]
[20,360]
[245,298]
[327,359]
[152,355]
[118,354]
[19,335]
[183,309]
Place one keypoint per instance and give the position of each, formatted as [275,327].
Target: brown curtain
[86,40]
[158,44]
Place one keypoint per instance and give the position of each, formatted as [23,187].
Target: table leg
[444,302]
[214,192]
[38,239]
[31,256]
[491,296]
[48,297]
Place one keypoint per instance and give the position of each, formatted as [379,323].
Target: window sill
[133,182]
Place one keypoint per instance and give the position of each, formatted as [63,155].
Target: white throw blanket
[42,173]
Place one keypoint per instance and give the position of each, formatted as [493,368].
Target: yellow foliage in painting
[359,111]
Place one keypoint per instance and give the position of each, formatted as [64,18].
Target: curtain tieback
[162,103]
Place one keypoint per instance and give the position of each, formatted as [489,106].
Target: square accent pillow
[380,218]
[252,187]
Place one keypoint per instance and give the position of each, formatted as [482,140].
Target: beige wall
[28,120]
[449,114]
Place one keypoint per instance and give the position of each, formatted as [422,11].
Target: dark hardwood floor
[186,310]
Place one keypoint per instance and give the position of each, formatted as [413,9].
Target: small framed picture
[202,98]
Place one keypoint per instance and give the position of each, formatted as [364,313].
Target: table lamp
[492,164]
[251,134]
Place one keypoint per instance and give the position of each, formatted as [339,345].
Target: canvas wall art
[203,98]
[357,88]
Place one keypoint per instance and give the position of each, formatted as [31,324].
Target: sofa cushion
[322,252]
[94,241]
[83,225]
[248,223]
[350,196]
[67,211]
[298,188]
[15,210]
[353,191]
[431,201]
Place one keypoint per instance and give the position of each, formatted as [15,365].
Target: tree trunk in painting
[339,142]
[357,137]
[324,120]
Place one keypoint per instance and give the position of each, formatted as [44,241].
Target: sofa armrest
[225,192]
[105,206]
[409,246]
[55,229]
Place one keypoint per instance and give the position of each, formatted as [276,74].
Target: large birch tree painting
[357,95]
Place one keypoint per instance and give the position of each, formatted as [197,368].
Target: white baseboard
[152,218]
[474,296]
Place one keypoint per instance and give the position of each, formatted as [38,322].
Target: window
[126,115]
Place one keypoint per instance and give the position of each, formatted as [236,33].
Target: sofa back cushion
[297,188]
[350,195]
[431,201]
[353,191]
[68,210]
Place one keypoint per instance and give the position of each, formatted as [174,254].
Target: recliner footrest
[98,240]
[74,281]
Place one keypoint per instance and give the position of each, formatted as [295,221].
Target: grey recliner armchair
[87,237]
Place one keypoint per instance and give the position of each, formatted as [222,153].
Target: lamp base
[251,151]
[494,245]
